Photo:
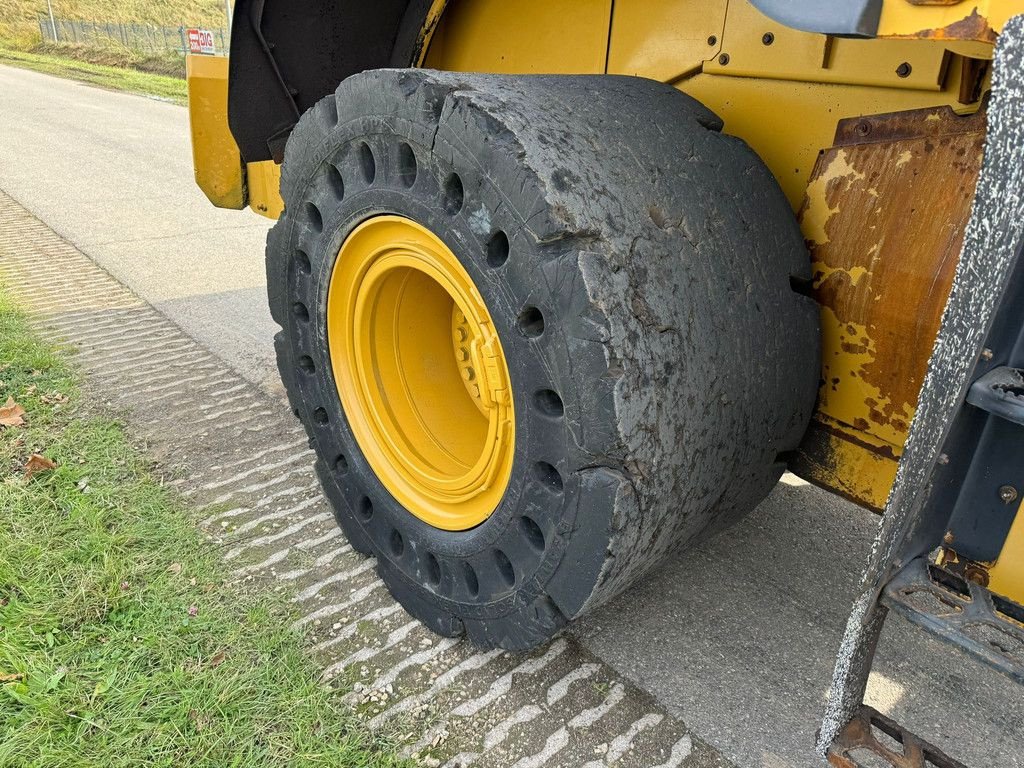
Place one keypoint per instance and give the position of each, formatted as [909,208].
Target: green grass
[105,63]
[24,13]
[130,80]
[120,642]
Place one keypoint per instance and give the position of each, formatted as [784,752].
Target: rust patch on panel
[974,27]
[884,218]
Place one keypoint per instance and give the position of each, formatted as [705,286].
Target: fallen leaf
[12,678]
[11,413]
[217,659]
[37,463]
[174,568]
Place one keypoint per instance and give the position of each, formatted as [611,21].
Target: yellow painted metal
[426,36]
[794,55]
[421,372]
[789,122]
[265,188]
[687,33]
[853,464]
[785,98]
[523,37]
[978,20]
[218,165]
[1006,577]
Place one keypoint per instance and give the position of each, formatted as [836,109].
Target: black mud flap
[965,444]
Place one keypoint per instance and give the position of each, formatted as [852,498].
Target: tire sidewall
[505,290]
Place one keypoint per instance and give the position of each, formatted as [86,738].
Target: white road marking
[129,347]
[148,363]
[368,652]
[270,538]
[154,370]
[224,497]
[350,629]
[178,381]
[495,736]
[263,502]
[314,589]
[500,732]
[222,401]
[560,739]
[112,330]
[317,565]
[335,608]
[444,680]
[680,751]
[588,717]
[243,475]
[558,691]
[334,533]
[256,522]
[273,559]
[556,742]
[413,660]
[621,744]
[277,447]
[503,684]
[238,409]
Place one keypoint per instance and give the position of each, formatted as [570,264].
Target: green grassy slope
[21,15]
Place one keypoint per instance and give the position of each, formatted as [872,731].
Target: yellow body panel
[688,33]
[1006,577]
[523,37]
[853,464]
[218,165]
[753,109]
[794,55]
[265,188]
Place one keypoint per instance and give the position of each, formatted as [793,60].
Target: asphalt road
[736,637]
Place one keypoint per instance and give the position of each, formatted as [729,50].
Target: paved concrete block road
[735,637]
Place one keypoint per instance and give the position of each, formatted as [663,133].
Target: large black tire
[661,362]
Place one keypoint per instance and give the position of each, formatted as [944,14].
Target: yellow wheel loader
[566,285]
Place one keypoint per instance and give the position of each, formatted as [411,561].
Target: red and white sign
[201,41]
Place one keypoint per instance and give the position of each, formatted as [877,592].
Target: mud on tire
[638,265]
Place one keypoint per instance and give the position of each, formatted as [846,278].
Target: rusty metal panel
[884,218]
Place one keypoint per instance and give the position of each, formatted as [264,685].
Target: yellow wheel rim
[421,372]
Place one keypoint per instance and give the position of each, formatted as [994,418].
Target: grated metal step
[872,740]
[988,627]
